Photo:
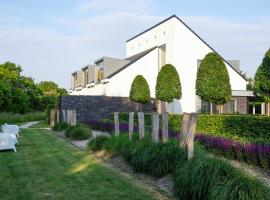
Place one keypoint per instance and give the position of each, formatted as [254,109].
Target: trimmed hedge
[244,128]
[81,133]
[12,118]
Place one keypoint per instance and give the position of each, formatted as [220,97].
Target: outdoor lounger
[10,129]
[11,135]
[7,142]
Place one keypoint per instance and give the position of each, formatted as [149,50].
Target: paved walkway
[28,124]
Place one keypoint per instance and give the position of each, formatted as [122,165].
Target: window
[75,76]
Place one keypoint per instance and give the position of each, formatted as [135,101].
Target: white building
[170,41]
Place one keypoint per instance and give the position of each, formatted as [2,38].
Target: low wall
[97,107]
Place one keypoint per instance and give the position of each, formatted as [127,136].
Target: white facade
[183,50]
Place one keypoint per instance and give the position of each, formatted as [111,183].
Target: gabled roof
[174,16]
[132,59]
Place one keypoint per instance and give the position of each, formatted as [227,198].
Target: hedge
[244,128]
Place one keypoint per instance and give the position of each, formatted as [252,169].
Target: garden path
[28,124]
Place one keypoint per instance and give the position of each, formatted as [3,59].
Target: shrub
[81,133]
[208,177]
[97,143]
[69,130]
[60,126]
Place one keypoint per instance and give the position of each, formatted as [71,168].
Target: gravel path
[28,124]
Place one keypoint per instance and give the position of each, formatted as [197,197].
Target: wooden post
[211,108]
[64,116]
[52,118]
[68,117]
[130,125]
[165,134]
[190,135]
[253,109]
[57,116]
[116,124]
[73,119]
[155,127]
[141,124]
[184,131]
[268,109]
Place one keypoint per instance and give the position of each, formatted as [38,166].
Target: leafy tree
[168,88]
[139,91]
[213,81]
[262,80]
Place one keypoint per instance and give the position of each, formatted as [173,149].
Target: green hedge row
[201,178]
[245,128]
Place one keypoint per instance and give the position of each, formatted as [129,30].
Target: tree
[168,88]
[139,91]
[262,80]
[213,81]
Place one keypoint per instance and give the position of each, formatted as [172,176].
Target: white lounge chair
[13,136]
[13,126]
[10,129]
[7,142]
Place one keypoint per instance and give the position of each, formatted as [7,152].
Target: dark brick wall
[97,107]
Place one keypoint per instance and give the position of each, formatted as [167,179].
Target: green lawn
[46,167]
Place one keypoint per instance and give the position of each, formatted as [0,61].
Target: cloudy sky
[51,39]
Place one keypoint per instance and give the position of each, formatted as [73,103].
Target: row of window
[146,41]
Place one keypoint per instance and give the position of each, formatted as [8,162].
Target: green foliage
[168,86]
[20,94]
[213,81]
[139,91]
[262,78]
[20,118]
[81,132]
[211,178]
[69,131]
[60,126]
[97,143]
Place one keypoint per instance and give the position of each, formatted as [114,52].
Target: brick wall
[97,107]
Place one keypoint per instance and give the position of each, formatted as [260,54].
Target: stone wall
[97,107]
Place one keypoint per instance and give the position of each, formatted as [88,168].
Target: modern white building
[170,41]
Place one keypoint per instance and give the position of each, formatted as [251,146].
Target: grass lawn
[46,167]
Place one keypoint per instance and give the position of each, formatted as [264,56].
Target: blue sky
[51,39]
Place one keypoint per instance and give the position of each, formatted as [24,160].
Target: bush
[81,133]
[60,126]
[69,130]
[211,178]
[97,143]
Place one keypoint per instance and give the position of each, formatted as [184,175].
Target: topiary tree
[262,80]
[168,88]
[140,93]
[213,81]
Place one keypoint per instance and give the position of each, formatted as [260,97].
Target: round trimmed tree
[262,80]
[168,88]
[140,91]
[213,81]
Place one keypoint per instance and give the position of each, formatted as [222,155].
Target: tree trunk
[130,125]
[211,108]
[184,131]
[141,124]
[116,124]
[190,135]
[155,127]
[165,132]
